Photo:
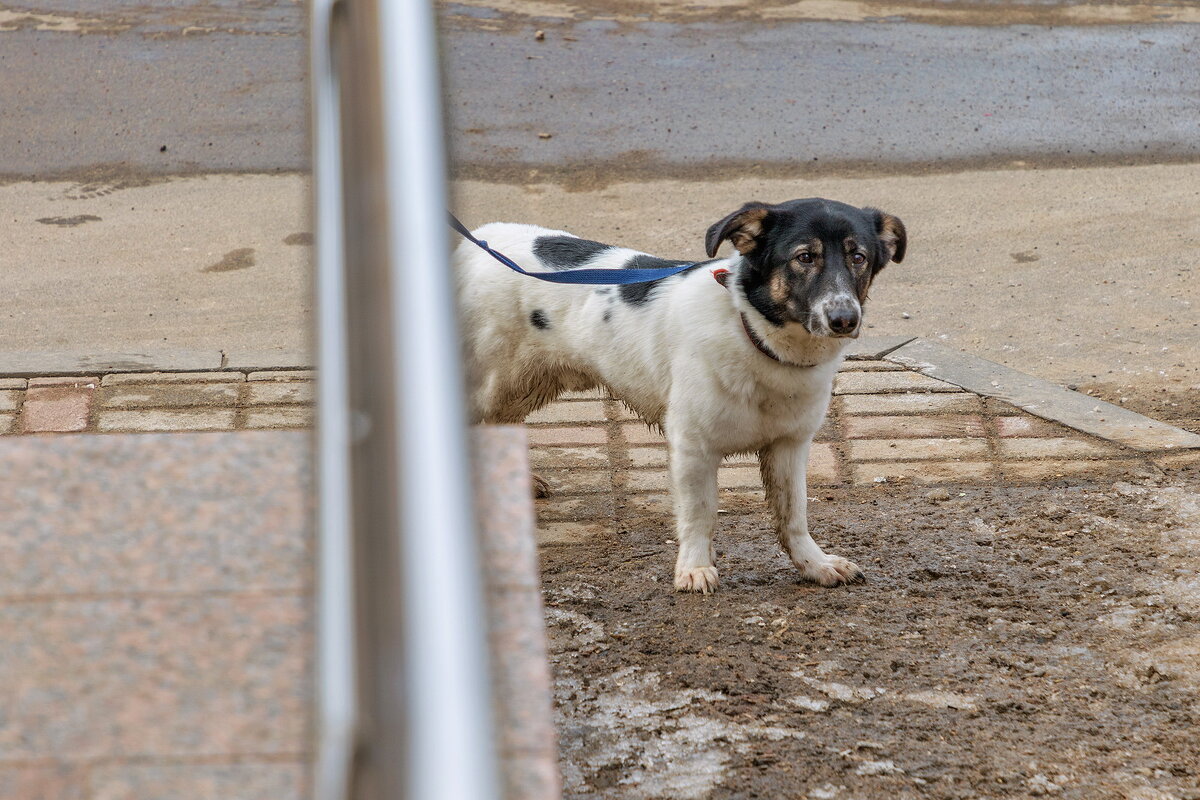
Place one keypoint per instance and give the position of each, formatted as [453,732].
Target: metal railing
[404,704]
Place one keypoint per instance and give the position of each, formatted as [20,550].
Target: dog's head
[810,261]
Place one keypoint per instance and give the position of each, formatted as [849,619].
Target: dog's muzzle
[838,317]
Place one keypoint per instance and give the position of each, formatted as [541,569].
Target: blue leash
[595,277]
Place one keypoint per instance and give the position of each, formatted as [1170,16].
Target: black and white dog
[743,363]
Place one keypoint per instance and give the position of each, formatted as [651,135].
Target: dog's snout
[843,320]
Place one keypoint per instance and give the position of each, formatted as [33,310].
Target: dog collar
[721,276]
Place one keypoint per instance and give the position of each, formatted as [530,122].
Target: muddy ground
[1010,642]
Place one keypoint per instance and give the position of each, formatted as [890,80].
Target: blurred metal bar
[335,668]
[394,450]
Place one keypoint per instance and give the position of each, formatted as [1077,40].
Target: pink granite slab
[156,513]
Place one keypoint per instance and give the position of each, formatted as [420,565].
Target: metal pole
[336,712]
[420,676]
[451,742]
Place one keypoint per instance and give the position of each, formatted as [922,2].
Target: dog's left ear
[892,236]
[742,228]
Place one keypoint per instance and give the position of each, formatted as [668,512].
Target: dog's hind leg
[511,403]
[784,466]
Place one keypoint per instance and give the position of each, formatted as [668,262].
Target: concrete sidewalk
[1078,276]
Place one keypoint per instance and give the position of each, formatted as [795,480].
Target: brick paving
[157,402]
[886,423]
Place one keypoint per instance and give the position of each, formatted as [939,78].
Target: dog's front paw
[833,571]
[696,579]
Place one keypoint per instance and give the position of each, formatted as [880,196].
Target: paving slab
[82,359]
[283,375]
[168,395]
[56,409]
[287,778]
[954,472]
[279,417]
[948,425]
[156,616]
[204,513]
[159,419]
[1041,397]
[134,677]
[263,393]
[917,449]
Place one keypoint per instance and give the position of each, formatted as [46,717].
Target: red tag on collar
[721,276]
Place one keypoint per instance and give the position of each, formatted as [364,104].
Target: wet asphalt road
[827,92]
[657,97]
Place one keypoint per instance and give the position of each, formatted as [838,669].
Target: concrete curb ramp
[1041,398]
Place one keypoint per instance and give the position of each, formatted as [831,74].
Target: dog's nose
[843,320]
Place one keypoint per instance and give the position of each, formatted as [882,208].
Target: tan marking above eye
[808,253]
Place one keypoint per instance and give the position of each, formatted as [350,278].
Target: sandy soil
[1011,642]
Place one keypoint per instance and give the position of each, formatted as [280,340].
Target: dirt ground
[1010,642]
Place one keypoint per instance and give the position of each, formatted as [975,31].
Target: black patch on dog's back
[636,294]
[539,320]
[566,252]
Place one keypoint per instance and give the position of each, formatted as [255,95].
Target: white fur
[682,360]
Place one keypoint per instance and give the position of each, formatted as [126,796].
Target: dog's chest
[750,421]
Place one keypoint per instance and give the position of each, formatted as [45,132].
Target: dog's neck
[791,344]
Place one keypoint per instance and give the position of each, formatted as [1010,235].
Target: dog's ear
[892,236]
[742,228]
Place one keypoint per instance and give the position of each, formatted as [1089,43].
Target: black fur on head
[801,255]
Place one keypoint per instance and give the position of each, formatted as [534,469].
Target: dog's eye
[859,259]
[804,258]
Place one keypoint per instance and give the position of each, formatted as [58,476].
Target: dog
[735,356]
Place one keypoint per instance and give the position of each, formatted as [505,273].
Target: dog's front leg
[784,466]
[694,479]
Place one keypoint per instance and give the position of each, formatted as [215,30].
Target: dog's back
[528,341]
[515,362]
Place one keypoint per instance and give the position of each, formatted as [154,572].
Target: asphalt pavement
[220,86]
